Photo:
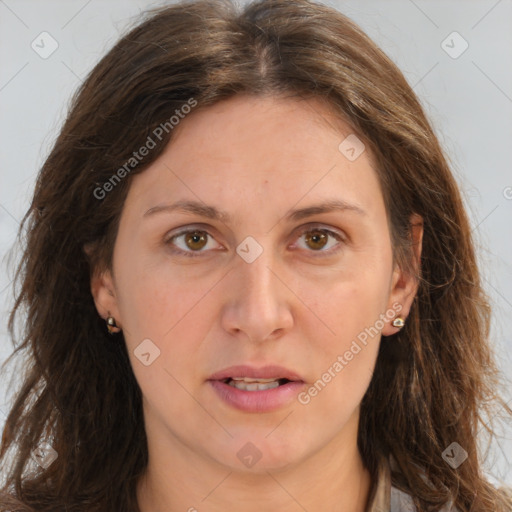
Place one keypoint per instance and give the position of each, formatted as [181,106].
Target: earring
[111,325]
[398,322]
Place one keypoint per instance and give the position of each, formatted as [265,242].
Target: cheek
[155,299]
[174,310]
[347,303]
[344,363]
[353,313]
[163,309]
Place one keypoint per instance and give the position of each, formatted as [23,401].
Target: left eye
[318,240]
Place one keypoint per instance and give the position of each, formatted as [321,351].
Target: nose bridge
[258,279]
[256,258]
[258,282]
[259,304]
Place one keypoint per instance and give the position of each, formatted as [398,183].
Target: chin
[260,452]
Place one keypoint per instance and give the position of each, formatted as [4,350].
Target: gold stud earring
[398,322]
[111,325]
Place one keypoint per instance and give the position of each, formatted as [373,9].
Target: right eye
[189,242]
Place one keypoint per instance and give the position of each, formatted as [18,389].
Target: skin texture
[257,159]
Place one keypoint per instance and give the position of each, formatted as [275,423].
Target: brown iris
[317,237]
[196,239]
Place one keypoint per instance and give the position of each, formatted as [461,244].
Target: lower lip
[258,401]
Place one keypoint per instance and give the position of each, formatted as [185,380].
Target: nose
[259,301]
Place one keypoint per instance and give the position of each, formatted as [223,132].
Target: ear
[104,295]
[404,285]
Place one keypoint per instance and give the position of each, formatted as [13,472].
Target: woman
[249,283]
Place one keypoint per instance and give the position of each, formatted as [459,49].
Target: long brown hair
[435,381]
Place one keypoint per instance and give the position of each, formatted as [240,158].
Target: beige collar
[386,498]
[380,494]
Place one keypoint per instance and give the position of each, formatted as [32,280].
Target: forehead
[258,152]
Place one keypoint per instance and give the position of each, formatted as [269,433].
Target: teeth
[250,379]
[253,384]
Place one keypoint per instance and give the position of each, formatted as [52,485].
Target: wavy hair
[435,382]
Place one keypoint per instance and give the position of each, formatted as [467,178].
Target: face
[295,270]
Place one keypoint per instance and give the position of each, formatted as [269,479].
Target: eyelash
[195,254]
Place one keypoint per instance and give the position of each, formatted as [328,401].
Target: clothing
[386,498]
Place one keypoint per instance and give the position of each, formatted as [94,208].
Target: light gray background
[468,98]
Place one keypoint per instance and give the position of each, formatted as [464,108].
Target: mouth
[256,390]
[250,384]
[253,375]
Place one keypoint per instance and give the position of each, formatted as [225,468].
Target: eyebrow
[211,212]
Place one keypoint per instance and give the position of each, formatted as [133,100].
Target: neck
[333,479]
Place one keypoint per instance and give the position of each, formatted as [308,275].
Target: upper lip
[264,372]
